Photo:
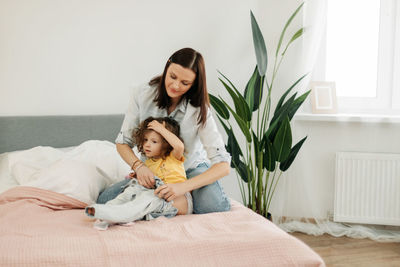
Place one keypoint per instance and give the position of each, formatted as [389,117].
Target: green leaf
[243,171]
[280,102]
[297,103]
[254,90]
[294,37]
[219,107]
[233,86]
[228,132]
[283,141]
[224,125]
[269,156]
[257,148]
[233,147]
[284,110]
[241,107]
[271,129]
[242,124]
[259,46]
[286,26]
[293,153]
[235,98]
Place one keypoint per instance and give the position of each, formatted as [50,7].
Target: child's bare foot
[90,211]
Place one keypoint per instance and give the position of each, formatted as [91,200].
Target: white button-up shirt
[202,144]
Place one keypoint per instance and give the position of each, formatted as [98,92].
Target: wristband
[137,164]
[140,165]
[133,164]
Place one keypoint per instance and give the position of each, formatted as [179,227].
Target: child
[158,139]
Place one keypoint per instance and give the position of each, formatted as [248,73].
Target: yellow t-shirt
[170,170]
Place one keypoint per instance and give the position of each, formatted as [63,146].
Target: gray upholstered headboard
[18,133]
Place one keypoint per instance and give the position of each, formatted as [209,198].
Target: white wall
[308,189]
[80,57]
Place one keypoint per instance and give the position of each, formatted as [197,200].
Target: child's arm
[173,140]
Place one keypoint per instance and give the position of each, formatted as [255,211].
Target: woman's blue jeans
[209,198]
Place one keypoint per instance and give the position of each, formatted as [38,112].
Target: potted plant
[267,151]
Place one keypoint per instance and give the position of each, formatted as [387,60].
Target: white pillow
[23,164]
[80,180]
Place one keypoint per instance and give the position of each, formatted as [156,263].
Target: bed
[52,167]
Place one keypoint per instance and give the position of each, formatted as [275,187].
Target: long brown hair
[140,132]
[197,95]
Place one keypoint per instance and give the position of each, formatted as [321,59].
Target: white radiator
[367,188]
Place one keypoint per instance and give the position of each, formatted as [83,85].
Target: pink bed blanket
[44,228]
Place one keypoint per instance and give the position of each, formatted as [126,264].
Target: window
[361,53]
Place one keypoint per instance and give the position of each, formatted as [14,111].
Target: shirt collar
[182,105]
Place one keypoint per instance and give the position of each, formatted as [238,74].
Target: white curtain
[304,199]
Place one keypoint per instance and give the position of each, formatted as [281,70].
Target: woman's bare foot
[90,211]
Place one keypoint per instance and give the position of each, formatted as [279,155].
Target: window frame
[387,100]
[396,61]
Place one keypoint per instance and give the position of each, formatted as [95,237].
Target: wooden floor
[344,251]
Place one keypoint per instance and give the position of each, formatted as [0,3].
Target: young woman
[180,93]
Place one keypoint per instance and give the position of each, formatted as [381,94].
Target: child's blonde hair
[170,124]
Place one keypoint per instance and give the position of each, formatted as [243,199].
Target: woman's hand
[170,191]
[145,177]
